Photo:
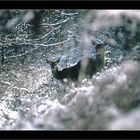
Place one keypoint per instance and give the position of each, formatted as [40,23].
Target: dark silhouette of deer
[73,72]
[92,66]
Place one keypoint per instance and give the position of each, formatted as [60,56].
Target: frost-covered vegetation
[30,95]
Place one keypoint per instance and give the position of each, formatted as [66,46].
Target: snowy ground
[110,100]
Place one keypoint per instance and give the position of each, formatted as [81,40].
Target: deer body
[91,66]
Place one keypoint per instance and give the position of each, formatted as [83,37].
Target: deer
[91,66]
